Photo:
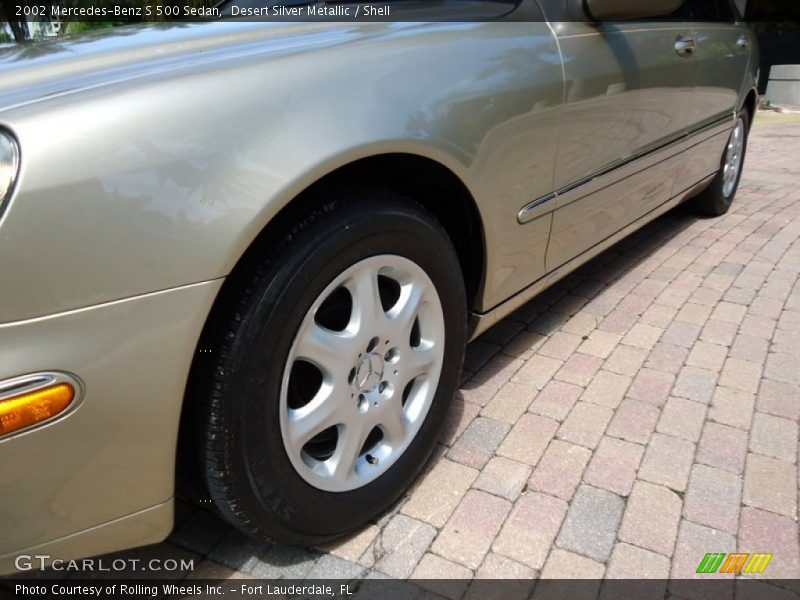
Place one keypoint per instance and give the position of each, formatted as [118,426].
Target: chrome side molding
[576,190]
[536,208]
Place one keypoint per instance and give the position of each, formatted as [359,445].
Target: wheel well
[439,190]
[426,181]
[750,105]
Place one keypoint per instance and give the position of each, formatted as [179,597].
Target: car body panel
[130,210]
[132,357]
[725,76]
[184,196]
[580,223]
[147,526]
[627,90]
[627,93]
[485,321]
[721,65]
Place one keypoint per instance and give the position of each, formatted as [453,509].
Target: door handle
[743,41]
[684,46]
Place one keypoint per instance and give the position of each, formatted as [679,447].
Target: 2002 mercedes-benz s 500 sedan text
[257,250]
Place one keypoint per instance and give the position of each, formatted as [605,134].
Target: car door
[627,109]
[722,51]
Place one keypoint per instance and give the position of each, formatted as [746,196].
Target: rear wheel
[717,198]
[336,361]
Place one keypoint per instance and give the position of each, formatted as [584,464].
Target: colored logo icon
[741,562]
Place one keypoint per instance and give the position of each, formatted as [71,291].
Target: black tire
[713,201]
[236,428]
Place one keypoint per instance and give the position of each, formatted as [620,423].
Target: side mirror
[623,10]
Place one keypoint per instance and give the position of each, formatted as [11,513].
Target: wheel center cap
[369,372]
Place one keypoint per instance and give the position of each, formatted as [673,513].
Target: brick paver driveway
[638,415]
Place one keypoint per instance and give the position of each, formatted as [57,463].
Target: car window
[705,10]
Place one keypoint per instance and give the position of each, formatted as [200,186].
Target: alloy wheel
[733,159]
[362,373]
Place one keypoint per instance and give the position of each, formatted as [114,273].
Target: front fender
[165,178]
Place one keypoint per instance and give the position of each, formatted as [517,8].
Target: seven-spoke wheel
[362,373]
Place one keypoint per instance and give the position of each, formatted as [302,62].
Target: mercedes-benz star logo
[369,373]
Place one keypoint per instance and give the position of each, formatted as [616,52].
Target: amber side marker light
[26,409]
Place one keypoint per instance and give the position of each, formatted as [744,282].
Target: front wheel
[337,361]
[717,198]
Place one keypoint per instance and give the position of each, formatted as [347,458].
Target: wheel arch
[439,190]
[423,179]
[427,181]
[750,104]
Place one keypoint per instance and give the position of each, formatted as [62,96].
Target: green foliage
[79,26]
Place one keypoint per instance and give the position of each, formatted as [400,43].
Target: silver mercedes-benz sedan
[248,256]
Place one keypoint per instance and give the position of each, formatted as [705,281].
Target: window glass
[705,10]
